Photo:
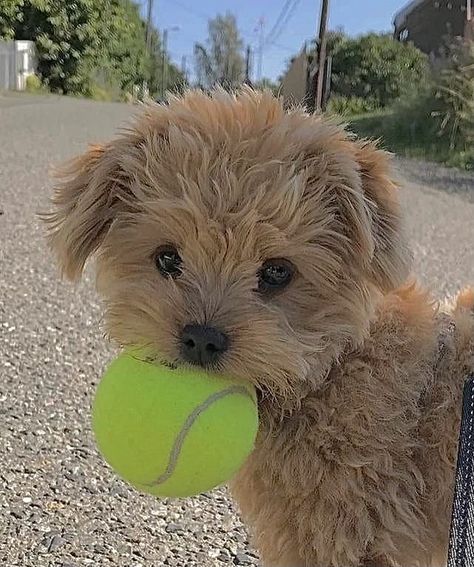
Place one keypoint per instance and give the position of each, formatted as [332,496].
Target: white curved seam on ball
[179,441]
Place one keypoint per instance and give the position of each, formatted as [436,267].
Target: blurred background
[401,72]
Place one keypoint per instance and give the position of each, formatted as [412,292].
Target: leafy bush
[440,117]
[95,92]
[437,119]
[375,67]
[34,84]
[9,13]
[411,121]
[75,39]
[454,95]
[350,106]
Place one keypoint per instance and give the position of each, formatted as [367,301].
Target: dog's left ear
[391,258]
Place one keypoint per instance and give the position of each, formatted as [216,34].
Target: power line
[193,11]
[282,47]
[285,16]
[289,15]
[281,15]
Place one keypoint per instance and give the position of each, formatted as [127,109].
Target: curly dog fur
[359,372]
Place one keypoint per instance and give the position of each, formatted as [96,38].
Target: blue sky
[355,16]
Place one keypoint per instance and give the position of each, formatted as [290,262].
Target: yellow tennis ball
[173,431]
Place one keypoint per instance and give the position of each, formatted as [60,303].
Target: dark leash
[461,538]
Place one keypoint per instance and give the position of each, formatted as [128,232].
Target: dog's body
[268,245]
[362,472]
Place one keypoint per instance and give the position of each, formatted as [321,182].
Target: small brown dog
[267,244]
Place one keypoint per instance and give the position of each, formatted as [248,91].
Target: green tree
[454,96]
[9,14]
[435,118]
[66,34]
[374,67]
[120,59]
[173,78]
[84,45]
[221,62]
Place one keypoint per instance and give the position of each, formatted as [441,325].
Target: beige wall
[293,86]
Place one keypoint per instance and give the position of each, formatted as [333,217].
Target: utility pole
[261,44]
[248,59]
[327,81]
[148,27]
[184,70]
[199,52]
[318,103]
[164,63]
[148,35]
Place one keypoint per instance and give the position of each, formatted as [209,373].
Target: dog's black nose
[203,345]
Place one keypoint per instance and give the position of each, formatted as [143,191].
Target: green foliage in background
[435,119]
[173,79]
[87,47]
[34,85]
[267,85]
[454,95]
[350,105]
[221,61]
[374,67]
[9,13]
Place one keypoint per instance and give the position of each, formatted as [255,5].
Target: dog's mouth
[153,357]
[177,363]
[168,364]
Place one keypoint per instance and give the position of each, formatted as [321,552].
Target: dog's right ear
[85,202]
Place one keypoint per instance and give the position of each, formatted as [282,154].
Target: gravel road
[59,505]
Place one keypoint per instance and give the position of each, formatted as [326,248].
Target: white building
[17,62]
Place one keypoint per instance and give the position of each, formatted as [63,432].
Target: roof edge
[401,15]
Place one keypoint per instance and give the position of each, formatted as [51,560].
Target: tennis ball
[169,431]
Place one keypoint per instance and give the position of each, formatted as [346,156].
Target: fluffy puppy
[267,244]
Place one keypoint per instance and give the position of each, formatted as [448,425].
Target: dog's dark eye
[274,275]
[168,262]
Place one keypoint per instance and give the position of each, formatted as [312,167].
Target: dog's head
[232,234]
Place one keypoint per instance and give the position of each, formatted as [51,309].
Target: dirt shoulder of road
[436,176]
